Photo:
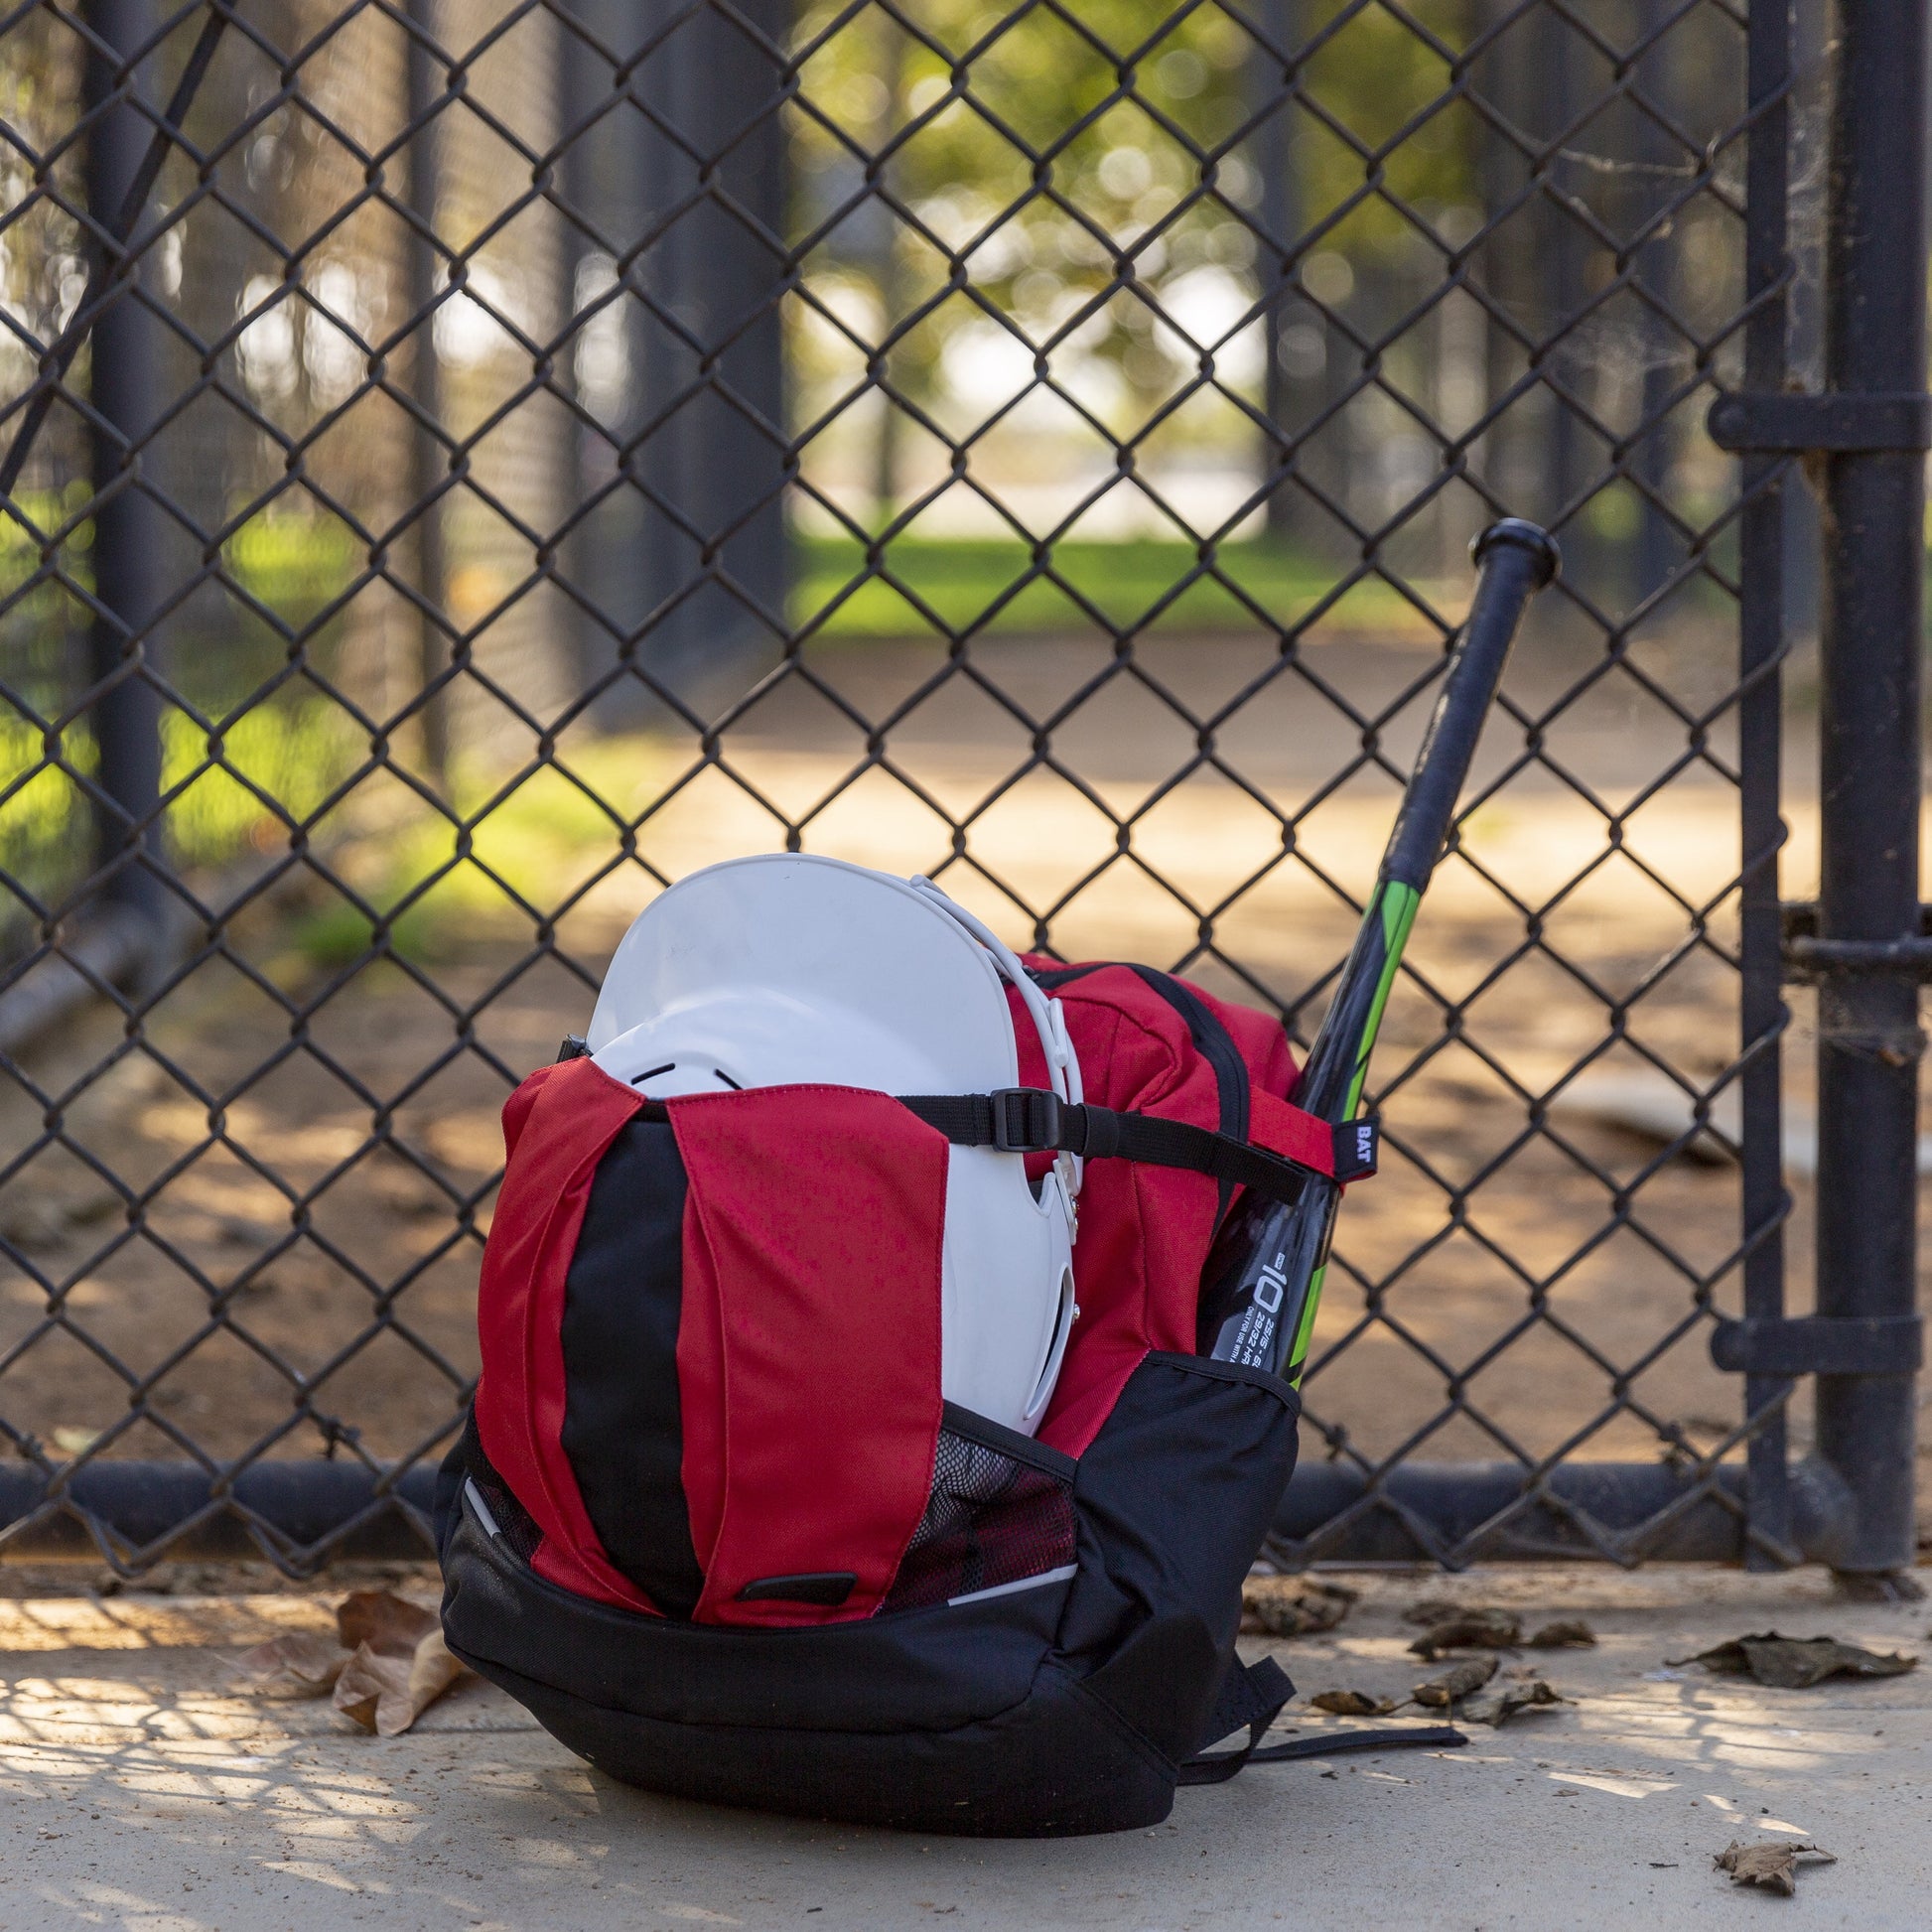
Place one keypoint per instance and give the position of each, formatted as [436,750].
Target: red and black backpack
[713,1522]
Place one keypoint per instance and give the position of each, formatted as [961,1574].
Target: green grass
[988,582]
[994,584]
[215,645]
[295,566]
[292,753]
[434,883]
[440,880]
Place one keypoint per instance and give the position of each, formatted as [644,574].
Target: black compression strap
[1029,1120]
[1255,1695]
[1441,1738]
[1251,1695]
[1216,1767]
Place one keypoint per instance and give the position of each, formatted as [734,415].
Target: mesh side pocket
[991,1519]
[503,1517]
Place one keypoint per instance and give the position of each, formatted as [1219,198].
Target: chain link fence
[467,463]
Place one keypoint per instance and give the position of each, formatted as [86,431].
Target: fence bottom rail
[302,1514]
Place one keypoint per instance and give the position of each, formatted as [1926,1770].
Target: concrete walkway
[141,1792]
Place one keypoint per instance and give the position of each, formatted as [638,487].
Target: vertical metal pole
[126,716]
[697,195]
[1812,28]
[1511,448]
[610,173]
[1281,222]
[724,463]
[1657,547]
[1761,646]
[890,277]
[1868,1039]
[1563,299]
[428,464]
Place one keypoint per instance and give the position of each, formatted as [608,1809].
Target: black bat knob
[1521,532]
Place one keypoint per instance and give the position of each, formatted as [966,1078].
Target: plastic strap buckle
[1025,1120]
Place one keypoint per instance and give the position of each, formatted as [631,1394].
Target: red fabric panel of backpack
[1144,1231]
[809,1355]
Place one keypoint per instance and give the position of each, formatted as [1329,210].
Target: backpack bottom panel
[1059,1766]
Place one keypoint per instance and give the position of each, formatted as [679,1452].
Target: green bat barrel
[1263,1280]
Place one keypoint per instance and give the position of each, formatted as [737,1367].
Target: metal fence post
[609,167]
[1763,644]
[1656,549]
[688,189]
[1868,1038]
[125,715]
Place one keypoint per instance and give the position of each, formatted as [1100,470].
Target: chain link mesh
[471,463]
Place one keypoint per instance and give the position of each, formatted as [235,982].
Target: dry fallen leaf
[1293,1606]
[1565,1633]
[1456,1683]
[1432,1610]
[386,1694]
[1796,1663]
[389,1624]
[1353,1703]
[394,1663]
[1773,1863]
[432,1671]
[1468,1630]
[299,1664]
[369,1682]
[1497,1708]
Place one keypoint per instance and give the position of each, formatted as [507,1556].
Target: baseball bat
[1264,1276]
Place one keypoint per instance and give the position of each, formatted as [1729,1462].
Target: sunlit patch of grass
[996,586]
[213,794]
[292,751]
[503,849]
[292,564]
[500,858]
[252,782]
[219,785]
